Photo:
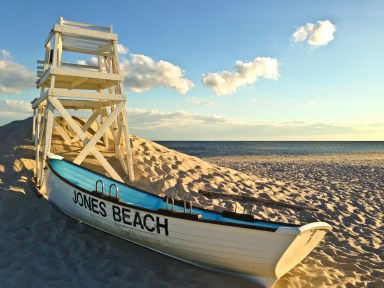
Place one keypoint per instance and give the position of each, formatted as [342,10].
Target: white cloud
[225,82]
[142,73]
[182,125]
[121,49]
[15,106]
[91,61]
[199,102]
[318,34]
[5,54]
[11,110]
[14,77]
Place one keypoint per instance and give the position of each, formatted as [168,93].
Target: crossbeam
[61,110]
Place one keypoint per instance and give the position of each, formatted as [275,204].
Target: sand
[40,247]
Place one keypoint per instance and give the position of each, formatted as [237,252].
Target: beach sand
[40,247]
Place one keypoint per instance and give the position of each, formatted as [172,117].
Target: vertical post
[38,143]
[55,50]
[128,149]
[47,140]
[34,124]
[59,50]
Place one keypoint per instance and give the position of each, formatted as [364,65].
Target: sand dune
[41,247]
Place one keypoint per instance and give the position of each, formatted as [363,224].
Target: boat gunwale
[178,215]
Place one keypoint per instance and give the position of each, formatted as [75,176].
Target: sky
[220,70]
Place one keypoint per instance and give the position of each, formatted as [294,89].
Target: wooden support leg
[38,143]
[128,149]
[47,141]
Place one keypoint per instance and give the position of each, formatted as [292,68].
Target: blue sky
[325,83]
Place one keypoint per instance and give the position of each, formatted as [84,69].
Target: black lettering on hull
[122,214]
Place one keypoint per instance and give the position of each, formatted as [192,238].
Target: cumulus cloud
[91,61]
[14,77]
[318,34]
[121,49]
[142,73]
[226,82]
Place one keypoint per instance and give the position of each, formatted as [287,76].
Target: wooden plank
[85,139]
[62,132]
[45,77]
[86,26]
[81,66]
[43,96]
[128,149]
[116,56]
[104,116]
[87,95]
[85,38]
[59,51]
[78,82]
[92,142]
[86,41]
[48,39]
[84,51]
[47,141]
[37,145]
[81,31]
[89,74]
[55,50]
[89,85]
[89,45]
[86,104]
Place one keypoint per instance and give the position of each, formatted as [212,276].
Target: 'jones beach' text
[121,214]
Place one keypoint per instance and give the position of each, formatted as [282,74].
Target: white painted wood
[92,142]
[37,144]
[128,149]
[59,92]
[79,66]
[56,103]
[84,25]
[47,140]
[62,132]
[80,31]
[61,85]
[84,73]
[43,97]
[55,52]
[77,82]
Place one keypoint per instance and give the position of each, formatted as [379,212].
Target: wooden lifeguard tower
[65,87]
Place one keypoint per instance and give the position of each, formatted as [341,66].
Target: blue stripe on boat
[86,179]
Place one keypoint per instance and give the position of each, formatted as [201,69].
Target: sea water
[250,148]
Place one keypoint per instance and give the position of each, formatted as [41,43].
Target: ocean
[264,148]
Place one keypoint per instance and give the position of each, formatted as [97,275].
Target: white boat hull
[263,255]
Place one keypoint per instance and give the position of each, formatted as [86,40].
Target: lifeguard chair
[97,87]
